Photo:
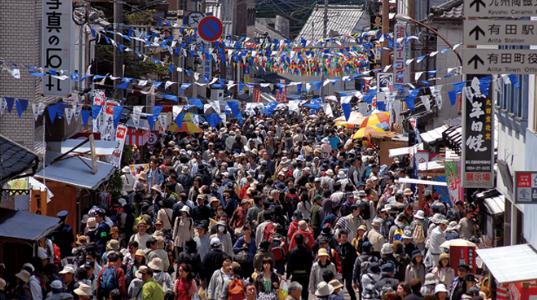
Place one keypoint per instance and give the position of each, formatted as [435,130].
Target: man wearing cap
[151,290]
[63,236]
[458,286]
[102,234]
[347,254]
[436,239]
[375,238]
[68,278]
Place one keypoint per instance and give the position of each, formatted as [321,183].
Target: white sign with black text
[500,32]
[56,46]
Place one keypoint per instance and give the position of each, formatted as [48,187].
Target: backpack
[398,234]
[268,232]
[235,290]
[418,235]
[108,281]
[278,251]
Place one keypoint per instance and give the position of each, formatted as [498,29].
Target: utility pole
[325,35]
[118,58]
[385,31]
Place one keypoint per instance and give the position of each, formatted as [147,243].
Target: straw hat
[420,215]
[156,264]
[408,192]
[336,284]
[112,245]
[139,252]
[322,252]
[324,289]
[83,290]
[23,275]
[156,188]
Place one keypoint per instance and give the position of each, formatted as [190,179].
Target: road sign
[500,32]
[499,61]
[210,28]
[194,18]
[499,8]
[526,187]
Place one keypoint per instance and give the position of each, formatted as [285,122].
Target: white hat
[23,275]
[2,284]
[156,264]
[440,288]
[341,174]
[29,266]
[429,279]
[91,224]
[324,289]
[329,172]
[56,284]
[386,249]
[284,160]
[122,201]
[83,290]
[186,209]
[419,215]
[215,242]
[126,169]
[68,269]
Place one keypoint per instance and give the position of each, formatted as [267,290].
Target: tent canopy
[74,171]
[101,147]
[22,225]
[419,181]
[511,263]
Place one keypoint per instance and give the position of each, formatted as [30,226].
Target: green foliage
[141,17]
[115,184]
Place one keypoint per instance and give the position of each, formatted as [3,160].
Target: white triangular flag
[346,99]
[15,73]
[417,76]
[328,110]
[136,114]
[69,113]
[34,110]
[3,105]
[142,83]
[168,84]
[426,102]
[436,91]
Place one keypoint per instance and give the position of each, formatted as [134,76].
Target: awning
[14,160]
[74,171]
[404,150]
[511,263]
[493,200]
[268,97]
[102,148]
[420,181]
[23,225]
[432,136]
[453,138]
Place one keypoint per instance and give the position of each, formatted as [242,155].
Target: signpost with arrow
[499,61]
[500,32]
[499,8]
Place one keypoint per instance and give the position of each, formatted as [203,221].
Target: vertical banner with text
[477,137]
[121,135]
[399,53]
[56,45]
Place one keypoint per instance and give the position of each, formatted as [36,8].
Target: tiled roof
[342,20]
[450,10]
[14,160]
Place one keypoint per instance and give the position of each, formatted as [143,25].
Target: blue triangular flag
[514,80]
[346,107]
[381,105]
[457,88]
[157,110]
[21,106]
[10,101]
[411,98]
[234,106]
[85,116]
[95,110]
[196,102]
[117,115]
[151,122]
[52,111]
[179,120]
[213,119]
[484,85]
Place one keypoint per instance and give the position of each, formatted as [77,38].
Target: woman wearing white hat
[323,291]
[22,289]
[441,292]
[183,229]
[83,291]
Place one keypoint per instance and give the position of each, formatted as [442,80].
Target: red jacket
[120,279]
[309,240]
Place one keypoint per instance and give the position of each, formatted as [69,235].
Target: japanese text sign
[500,32]
[500,8]
[56,45]
[478,147]
[499,61]
[399,59]
[526,187]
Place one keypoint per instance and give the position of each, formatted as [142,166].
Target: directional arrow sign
[499,8]
[500,32]
[499,61]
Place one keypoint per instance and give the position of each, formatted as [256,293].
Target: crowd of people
[287,207]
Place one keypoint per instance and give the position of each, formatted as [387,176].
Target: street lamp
[438,34]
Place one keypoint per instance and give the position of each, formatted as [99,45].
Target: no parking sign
[210,28]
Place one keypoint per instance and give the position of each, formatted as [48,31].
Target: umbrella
[355,120]
[376,118]
[457,243]
[370,131]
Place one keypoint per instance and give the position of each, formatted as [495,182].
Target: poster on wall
[453,180]
[525,187]
[477,137]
